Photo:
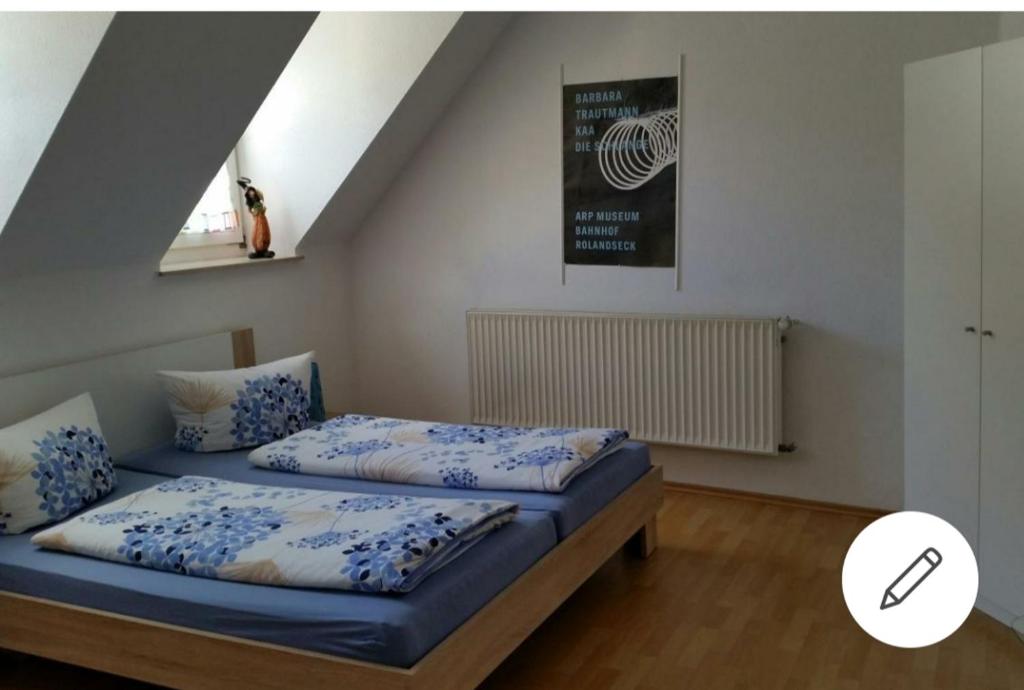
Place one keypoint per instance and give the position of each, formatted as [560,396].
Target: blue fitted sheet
[395,630]
[585,496]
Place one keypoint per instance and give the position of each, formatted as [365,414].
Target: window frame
[236,236]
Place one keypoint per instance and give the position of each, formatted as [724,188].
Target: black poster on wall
[619,150]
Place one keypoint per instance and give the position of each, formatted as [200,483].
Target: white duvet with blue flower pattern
[280,536]
[432,453]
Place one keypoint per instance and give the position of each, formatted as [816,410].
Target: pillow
[52,465]
[239,408]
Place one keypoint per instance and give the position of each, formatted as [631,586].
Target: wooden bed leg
[645,541]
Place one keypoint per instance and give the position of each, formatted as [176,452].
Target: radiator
[691,381]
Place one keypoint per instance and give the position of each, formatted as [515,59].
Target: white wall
[54,318]
[792,203]
[341,85]
[36,85]
[1011,25]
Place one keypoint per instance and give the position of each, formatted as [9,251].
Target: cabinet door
[1002,361]
[942,286]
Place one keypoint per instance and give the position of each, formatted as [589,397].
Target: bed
[569,510]
[189,632]
[391,630]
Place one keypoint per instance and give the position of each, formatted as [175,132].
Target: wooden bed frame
[182,657]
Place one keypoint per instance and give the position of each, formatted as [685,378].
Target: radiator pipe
[785,323]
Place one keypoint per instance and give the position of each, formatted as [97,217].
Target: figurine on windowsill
[260,225]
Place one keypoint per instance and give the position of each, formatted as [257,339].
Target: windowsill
[208,240]
[214,264]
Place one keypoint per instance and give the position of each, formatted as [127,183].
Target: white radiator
[693,381]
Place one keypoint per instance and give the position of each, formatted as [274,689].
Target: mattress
[586,495]
[396,630]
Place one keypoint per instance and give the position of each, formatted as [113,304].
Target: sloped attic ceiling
[36,85]
[406,126]
[164,99]
[344,81]
[354,103]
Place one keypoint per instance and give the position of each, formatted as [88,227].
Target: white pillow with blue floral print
[53,465]
[239,408]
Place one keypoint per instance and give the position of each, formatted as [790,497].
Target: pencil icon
[911,578]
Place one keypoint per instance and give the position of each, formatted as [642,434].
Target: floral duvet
[412,452]
[280,536]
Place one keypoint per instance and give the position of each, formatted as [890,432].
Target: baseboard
[773,499]
[995,611]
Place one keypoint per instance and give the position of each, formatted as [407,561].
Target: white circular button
[910,579]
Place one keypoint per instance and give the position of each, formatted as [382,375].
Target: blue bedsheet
[389,629]
[585,496]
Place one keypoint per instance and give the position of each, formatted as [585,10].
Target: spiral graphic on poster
[635,149]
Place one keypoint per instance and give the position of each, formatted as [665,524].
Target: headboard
[129,400]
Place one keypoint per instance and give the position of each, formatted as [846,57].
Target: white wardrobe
[964,307]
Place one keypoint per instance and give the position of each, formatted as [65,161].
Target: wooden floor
[740,594]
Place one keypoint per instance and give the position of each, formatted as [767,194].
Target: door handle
[970,329]
[988,333]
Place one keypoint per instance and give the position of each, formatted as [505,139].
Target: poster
[620,160]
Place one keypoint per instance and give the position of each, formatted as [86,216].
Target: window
[216,219]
